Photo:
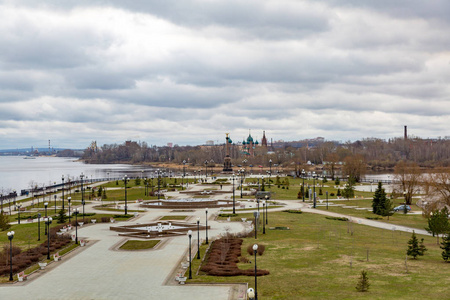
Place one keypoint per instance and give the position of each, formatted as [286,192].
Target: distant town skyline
[185,72]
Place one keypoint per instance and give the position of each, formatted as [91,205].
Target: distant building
[209,143]
[170,145]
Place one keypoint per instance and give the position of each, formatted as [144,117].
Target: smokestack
[406,132]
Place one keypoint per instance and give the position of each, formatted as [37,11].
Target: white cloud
[188,71]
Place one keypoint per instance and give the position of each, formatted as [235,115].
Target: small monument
[227,160]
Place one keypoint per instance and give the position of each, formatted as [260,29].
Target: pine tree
[387,208]
[104,195]
[438,223]
[348,191]
[338,193]
[413,246]
[4,224]
[61,216]
[363,282]
[100,192]
[320,192]
[337,181]
[378,198]
[445,246]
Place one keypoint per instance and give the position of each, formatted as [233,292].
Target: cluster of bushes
[293,211]
[24,259]
[337,218]
[227,215]
[223,257]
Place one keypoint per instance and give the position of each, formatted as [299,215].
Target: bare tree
[408,179]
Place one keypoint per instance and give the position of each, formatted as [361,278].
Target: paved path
[100,272]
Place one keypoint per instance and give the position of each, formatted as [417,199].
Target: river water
[17,173]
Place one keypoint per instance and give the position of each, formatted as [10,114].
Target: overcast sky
[189,71]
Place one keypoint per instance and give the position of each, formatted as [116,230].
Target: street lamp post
[241,171]
[158,174]
[251,294]
[48,221]
[45,205]
[314,189]
[255,214]
[267,212]
[264,218]
[206,211]
[255,250]
[206,169]
[190,256]
[327,198]
[125,179]
[198,238]
[270,166]
[303,185]
[68,200]
[234,209]
[76,224]
[82,193]
[62,178]
[54,197]
[19,206]
[39,226]
[10,238]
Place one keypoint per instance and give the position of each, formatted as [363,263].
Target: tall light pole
[264,217]
[234,201]
[198,238]
[190,255]
[314,189]
[327,198]
[39,226]
[255,250]
[125,179]
[54,197]
[19,206]
[241,172]
[45,205]
[10,238]
[62,178]
[76,224]
[206,211]
[206,169]
[82,193]
[68,200]
[48,221]
[303,184]
[158,174]
[267,212]
[255,214]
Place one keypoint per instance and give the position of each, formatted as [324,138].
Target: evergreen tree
[363,282]
[337,181]
[104,195]
[413,246]
[438,223]
[100,191]
[61,216]
[338,193]
[4,224]
[277,182]
[286,182]
[306,193]
[422,247]
[445,246]
[320,192]
[387,208]
[137,181]
[378,197]
[348,191]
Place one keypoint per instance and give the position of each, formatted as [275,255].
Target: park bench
[56,256]
[82,243]
[42,265]
[21,276]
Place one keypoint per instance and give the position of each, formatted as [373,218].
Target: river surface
[17,173]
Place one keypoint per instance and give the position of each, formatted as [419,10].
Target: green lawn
[139,245]
[321,259]
[173,218]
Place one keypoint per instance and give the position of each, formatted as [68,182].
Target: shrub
[331,194]
[337,218]
[105,219]
[363,282]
